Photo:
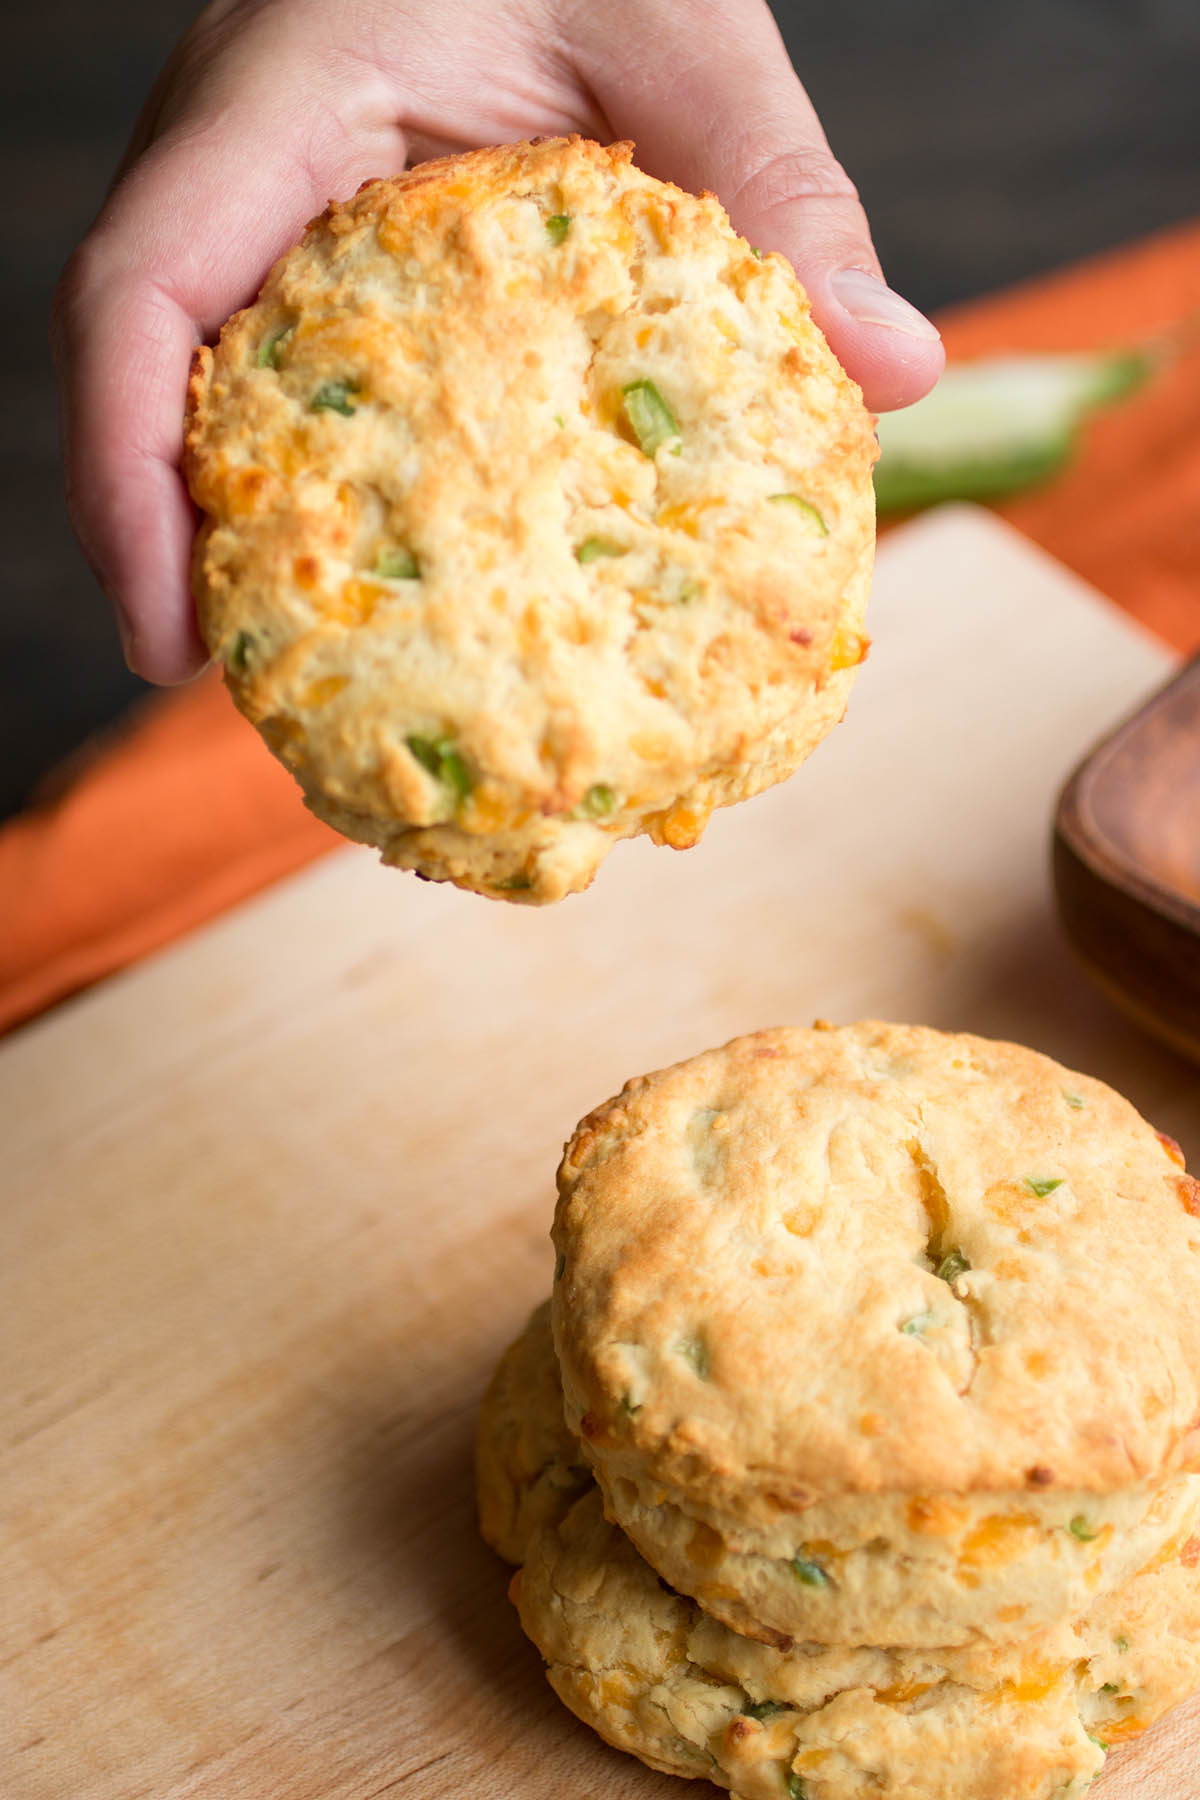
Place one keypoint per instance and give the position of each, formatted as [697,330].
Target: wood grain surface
[274,1201]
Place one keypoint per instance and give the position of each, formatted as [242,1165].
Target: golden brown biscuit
[538,514]
[882,1334]
[654,1675]
[931,1569]
[529,1470]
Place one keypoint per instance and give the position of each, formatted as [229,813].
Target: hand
[270,107]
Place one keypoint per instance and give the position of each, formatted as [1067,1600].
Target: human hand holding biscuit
[270,106]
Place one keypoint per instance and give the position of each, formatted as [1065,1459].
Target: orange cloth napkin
[186,813]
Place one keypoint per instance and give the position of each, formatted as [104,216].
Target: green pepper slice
[806,510]
[810,1573]
[765,1709]
[598,802]
[238,656]
[439,758]
[952,1265]
[397,564]
[593,548]
[335,396]
[273,346]
[650,418]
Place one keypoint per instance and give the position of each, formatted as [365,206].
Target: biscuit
[537,514]
[881,1334]
[653,1674]
[529,1470]
[921,1569]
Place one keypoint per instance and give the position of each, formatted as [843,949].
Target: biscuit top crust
[874,1258]
[531,492]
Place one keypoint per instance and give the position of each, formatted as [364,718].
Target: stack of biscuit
[855,1453]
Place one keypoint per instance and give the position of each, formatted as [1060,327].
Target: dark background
[988,142]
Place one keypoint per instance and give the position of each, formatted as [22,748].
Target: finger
[186,239]
[123,348]
[707,92]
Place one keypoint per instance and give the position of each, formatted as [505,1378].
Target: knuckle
[807,173]
[77,285]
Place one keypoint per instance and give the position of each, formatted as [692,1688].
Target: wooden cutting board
[274,1201]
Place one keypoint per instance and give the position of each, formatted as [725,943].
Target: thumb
[706,90]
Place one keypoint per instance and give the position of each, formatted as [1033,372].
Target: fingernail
[872,302]
[128,635]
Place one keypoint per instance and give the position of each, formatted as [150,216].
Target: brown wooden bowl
[1127,862]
